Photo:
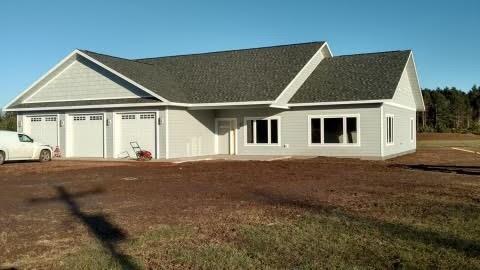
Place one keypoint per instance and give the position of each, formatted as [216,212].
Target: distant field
[436,140]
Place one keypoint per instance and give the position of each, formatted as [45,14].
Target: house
[294,99]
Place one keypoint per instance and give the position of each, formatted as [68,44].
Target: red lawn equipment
[142,155]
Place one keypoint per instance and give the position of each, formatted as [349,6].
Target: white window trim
[245,132]
[412,129]
[322,131]
[393,129]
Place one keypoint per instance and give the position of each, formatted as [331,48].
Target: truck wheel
[2,157]
[45,156]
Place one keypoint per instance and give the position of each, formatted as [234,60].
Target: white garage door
[135,127]
[86,135]
[43,129]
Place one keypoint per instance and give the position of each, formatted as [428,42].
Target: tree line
[8,121]
[450,110]
[446,110]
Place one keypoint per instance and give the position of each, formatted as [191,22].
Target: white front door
[86,135]
[135,127]
[43,129]
[225,137]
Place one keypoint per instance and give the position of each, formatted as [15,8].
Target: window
[147,116]
[95,117]
[390,132]
[128,116]
[316,130]
[24,138]
[351,130]
[79,118]
[51,119]
[262,131]
[334,130]
[36,119]
[412,129]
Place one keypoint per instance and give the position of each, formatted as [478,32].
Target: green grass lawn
[317,239]
[470,144]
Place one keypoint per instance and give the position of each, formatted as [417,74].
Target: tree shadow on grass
[466,170]
[470,248]
[104,231]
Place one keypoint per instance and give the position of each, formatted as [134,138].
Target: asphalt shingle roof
[231,76]
[354,77]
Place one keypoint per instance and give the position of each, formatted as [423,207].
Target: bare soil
[45,207]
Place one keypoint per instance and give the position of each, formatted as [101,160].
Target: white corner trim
[120,75]
[300,78]
[167,137]
[40,79]
[382,138]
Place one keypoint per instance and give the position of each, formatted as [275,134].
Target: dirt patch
[48,209]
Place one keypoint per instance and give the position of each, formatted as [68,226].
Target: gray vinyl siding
[404,94]
[85,80]
[108,135]
[401,133]
[294,136]
[62,134]
[190,132]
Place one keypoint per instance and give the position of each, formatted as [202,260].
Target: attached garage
[135,127]
[86,135]
[43,128]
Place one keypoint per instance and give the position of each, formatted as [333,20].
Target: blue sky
[35,35]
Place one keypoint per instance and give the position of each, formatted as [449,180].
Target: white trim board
[279,131]
[295,84]
[322,130]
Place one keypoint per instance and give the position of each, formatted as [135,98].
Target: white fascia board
[405,67]
[393,104]
[121,75]
[100,106]
[373,101]
[418,81]
[41,78]
[217,104]
[302,76]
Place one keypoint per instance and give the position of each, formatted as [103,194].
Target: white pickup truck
[18,146]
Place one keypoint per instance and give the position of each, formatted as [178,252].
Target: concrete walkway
[199,158]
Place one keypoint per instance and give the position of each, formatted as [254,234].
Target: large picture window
[390,131]
[333,130]
[262,131]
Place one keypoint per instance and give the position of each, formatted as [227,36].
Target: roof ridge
[117,57]
[232,50]
[370,53]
